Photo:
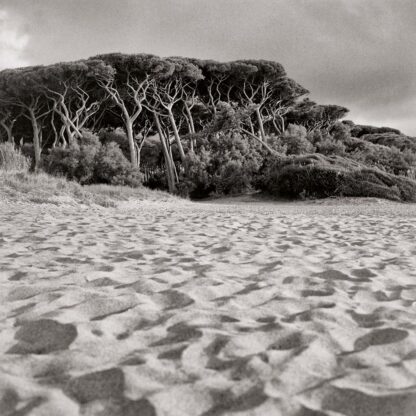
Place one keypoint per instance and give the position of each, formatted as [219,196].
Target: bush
[232,178]
[330,146]
[118,136]
[12,159]
[295,140]
[320,177]
[360,130]
[389,159]
[224,163]
[87,161]
[63,161]
[76,162]
[113,168]
[398,141]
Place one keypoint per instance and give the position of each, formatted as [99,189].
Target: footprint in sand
[351,402]
[363,273]
[310,292]
[42,337]
[95,386]
[380,337]
[179,332]
[173,299]
[18,276]
[24,292]
[332,275]
[9,404]
[226,401]
[370,320]
[288,342]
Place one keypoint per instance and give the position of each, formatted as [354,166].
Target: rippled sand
[208,309]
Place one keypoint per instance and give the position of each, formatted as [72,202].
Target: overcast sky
[356,53]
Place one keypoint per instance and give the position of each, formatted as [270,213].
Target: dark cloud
[361,54]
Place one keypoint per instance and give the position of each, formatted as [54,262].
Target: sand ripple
[198,309]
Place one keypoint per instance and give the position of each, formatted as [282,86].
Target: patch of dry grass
[42,188]
[12,159]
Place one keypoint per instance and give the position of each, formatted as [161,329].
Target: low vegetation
[191,127]
[17,183]
[318,176]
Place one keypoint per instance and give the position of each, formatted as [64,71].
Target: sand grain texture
[177,309]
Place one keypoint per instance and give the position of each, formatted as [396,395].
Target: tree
[128,87]
[8,118]
[167,90]
[169,165]
[24,88]
[314,116]
[73,88]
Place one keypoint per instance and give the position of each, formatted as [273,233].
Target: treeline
[193,126]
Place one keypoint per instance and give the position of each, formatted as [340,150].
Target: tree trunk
[8,129]
[138,149]
[191,126]
[176,134]
[276,127]
[251,126]
[260,121]
[282,122]
[130,138]
[175,171]
[62,136]
[70,135]
[168,160]
[36,139]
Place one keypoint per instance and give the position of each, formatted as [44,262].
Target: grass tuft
[12,159]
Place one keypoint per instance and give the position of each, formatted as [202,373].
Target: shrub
[360,130]
[232,178]
[76,162]
[63,161]
[295,140]
[12,159]
[320,176]
[330,146]
[224,163]
[340,132]
[398,141]
[389,159]
[87,161]
[118,136]
[113,168]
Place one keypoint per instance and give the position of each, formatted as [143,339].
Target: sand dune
[208,309]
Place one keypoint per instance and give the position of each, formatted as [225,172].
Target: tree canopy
[177,102]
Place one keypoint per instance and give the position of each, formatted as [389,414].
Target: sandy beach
[180,308]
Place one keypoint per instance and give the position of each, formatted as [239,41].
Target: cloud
[12,42]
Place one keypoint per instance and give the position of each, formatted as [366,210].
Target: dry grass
[42,188]
[12,159]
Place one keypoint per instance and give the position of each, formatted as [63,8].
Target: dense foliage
[198,128]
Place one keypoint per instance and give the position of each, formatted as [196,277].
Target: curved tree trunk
[176,134]
[191,126]
[36,139]
[9,132]
[260,121]
[130,138]
[168,160]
